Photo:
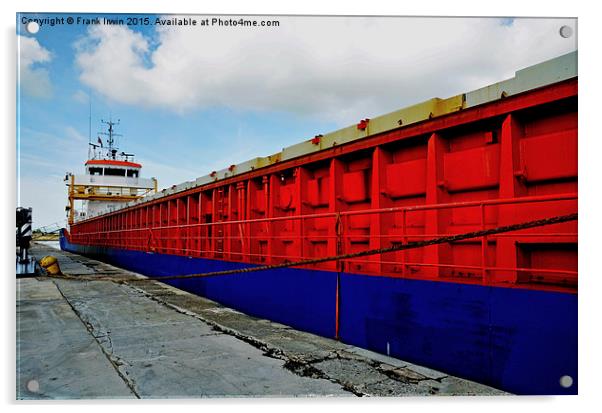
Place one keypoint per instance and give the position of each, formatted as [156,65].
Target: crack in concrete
[299,366]
[108,337]
[115,363]
[290,362]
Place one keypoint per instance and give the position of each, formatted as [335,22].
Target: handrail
[464,204]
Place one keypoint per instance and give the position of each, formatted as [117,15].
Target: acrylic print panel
[261,206]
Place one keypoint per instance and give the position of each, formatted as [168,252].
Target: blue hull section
[521,341]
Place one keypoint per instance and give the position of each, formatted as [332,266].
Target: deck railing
[296,237]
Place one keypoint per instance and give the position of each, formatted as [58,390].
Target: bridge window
[95,171]
[114,172]
[132,173]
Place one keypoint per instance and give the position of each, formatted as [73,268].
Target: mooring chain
[399,247]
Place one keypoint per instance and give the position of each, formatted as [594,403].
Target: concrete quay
[100,339]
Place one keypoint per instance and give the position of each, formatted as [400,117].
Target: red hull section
[504,162]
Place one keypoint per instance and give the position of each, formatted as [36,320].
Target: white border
[589,172]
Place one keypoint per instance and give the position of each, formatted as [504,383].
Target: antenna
[112,149]
[89,122]
[89,116]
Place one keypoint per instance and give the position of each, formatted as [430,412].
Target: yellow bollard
[51,265]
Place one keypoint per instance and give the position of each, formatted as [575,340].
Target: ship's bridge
[112,167]
[111,178]
[122,176]
[105,184]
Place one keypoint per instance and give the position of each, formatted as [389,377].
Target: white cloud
[33,80]
[339,68]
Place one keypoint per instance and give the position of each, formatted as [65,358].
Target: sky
[193,99]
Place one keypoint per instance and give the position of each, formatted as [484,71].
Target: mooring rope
[400,247]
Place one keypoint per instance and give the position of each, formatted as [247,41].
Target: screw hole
[566,381]
[566,31]
[32,27]
[33,386]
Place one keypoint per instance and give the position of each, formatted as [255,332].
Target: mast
[90,124]
[111,148]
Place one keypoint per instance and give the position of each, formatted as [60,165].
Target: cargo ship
[499,309]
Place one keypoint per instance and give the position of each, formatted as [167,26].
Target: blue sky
[194,100]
